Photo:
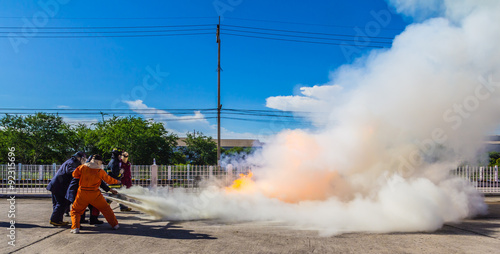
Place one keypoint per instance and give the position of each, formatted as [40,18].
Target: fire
[287,187]
[243,184]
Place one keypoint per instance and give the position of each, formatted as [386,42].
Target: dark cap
[80,154]
[97,157]
[117,151]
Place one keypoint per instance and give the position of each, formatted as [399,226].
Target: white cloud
[63,107]
[180,125]
[314,100]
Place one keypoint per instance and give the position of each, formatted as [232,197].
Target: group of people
[75,186]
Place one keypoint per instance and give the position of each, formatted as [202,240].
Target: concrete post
[40,172]
[154,176]
[19,171]
[496,173]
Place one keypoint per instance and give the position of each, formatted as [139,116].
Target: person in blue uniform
[115,170]
[59,186]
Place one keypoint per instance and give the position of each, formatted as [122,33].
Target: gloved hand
[113,191]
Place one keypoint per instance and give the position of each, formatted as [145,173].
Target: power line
[306,32]
[104,27]
[307,24]
[101,36]
[307,37]
[156,109]
[101,109]
[130,31]
[313,42]
[267,110]
[260,120]
[148,113]
[138,18]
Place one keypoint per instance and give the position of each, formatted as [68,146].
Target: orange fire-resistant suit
[88,193]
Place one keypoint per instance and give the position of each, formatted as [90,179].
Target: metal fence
[485,179]
[34,178]
[26,179]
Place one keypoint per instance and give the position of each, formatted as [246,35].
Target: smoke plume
[392,126]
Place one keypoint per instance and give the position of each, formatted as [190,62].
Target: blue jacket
[113,167]
[61,180]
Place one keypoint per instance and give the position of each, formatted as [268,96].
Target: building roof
[230,142]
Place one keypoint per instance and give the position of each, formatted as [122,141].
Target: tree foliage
[45,138]
[39,139]
[200,149]
[241,151]
[144,140]
[494,158]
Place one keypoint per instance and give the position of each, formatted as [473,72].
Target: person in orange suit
[91,174]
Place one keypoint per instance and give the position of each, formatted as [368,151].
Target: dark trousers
[59,206]
[93,211]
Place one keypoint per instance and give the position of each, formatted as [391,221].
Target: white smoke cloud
[451,9]
[381,163]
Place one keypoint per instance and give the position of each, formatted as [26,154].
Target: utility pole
[219,106]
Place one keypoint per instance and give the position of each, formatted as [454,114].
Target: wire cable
[101,36]
[307,37]
[304,32]
[105,27]
[313,42]
[139,18]
[307,24]
[130,31]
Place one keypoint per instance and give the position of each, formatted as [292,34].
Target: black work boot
[94,220]
[82,219]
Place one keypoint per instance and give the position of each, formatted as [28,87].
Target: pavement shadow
[471,228]
[23,225]
[466,228]
[486,225]
[169,231]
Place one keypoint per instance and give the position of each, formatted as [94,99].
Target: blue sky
[103,73]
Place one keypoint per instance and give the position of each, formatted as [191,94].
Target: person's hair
[80,155]
[97,157]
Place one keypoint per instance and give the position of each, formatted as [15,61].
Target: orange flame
[244,183]
[319,185]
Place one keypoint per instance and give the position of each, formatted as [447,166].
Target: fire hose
[135,202]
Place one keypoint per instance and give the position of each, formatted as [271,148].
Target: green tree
[494,158]
[142,139]
[241,151]
[200,149]
[39,139]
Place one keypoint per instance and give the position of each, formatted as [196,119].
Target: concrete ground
[137,235]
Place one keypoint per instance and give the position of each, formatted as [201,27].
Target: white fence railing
[34,178]
[485,179]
